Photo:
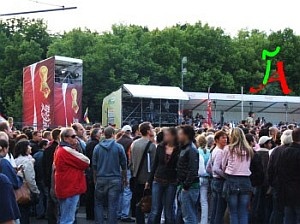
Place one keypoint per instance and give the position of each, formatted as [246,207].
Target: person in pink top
[236,166]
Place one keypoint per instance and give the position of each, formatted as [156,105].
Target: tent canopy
[232,102]
[155,92]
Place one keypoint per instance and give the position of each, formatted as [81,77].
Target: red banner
[38,85]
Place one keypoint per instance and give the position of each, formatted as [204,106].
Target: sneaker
[128,220]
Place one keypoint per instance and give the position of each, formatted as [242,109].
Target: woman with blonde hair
[237,187]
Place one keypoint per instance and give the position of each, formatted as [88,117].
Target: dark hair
[135,128]
[3,144]
[35,133]
[43,143]
[220,134]
[173,132]
[296,135]
[22,136]
[21,148]
[74,126]
[55,134]
[109,132]
[4,126]
[46,134]
[94,132]
[263,132]
[251,113]
[144,128]
[188,131]
[160,137]
[249,138]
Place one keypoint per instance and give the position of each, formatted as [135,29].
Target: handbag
[23,194]
[146,201]
[133,180]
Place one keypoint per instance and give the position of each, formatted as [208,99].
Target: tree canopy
[136,55]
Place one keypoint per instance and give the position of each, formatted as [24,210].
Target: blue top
[9,208]
[108,158]
[7,169]
[205,155]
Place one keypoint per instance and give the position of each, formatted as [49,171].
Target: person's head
[239,145]
[43,144]
[4,136]
[55,133]
[10,121]
[250,139]
[265,142]
[159,137]
[109,132]
[96,134]
[79,129]
[201,141]
[221,138]
[286,137]
[135,130]
[69,136]
[291,126]
[22,148]
[96,125]
[296,135]
[186,134]
[37,136]
[47,135]
[251,114]
[127,130]
[146,129]
[169,135]
[4,126]
[3,147]
[21,137]
[210,141]
[273,131]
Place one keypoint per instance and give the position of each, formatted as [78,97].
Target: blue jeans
[219,202]
[125,199]
[107,192]
[68,208]
[204,186]
[187,206]
[291,215]
[41,207]
[163,197]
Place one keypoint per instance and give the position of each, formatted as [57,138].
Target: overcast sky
[99,15]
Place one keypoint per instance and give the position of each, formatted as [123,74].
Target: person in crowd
[90,195]
[250,119]
[52,205]
[39,178]
[24,159]
[187,175]
[237,187]
[81,138]
[9,211]
[278,209]
[8,156]
[262,197]
[108,157]
[6,134]
[69,178]
[163,178]
[10,122]
[289,179]
[34,142]
[275,134]
[214,167]
[140,147]
[126,194]
[47,136]
[204,152]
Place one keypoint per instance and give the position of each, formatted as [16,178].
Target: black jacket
[289,176]
[48,161]
[90,146]
[126,142]
[162,169]
[188,166]
[257,171]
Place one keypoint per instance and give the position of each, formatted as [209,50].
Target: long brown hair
[239,145]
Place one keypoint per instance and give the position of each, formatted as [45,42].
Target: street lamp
[183,72]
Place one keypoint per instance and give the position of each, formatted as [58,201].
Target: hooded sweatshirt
[108,159]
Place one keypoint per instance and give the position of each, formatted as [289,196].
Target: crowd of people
[237,175]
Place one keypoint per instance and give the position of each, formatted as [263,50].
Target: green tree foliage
[135,55]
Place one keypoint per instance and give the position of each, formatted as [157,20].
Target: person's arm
[217,165]
[154,167]
[225,159]
[193,167]
[123,164]
[10,172]
[30,177]
[202,170]
[95,162]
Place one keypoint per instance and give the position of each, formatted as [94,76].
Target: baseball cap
[263,140]
[127,128]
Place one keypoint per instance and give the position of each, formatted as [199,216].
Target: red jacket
[69,175]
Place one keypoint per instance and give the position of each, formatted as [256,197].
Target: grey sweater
[137,151]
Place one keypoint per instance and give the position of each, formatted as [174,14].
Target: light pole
[183,72]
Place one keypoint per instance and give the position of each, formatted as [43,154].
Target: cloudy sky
[99,15]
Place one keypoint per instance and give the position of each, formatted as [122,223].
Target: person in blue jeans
[108,157]
[164,178]
[237,187]
[188,178]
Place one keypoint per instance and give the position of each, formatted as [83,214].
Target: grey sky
[99,15]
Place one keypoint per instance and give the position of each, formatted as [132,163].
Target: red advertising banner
[38,86]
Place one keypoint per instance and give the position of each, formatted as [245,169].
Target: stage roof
[232,102]
[155,92]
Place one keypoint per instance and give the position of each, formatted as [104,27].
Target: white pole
[242,103]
